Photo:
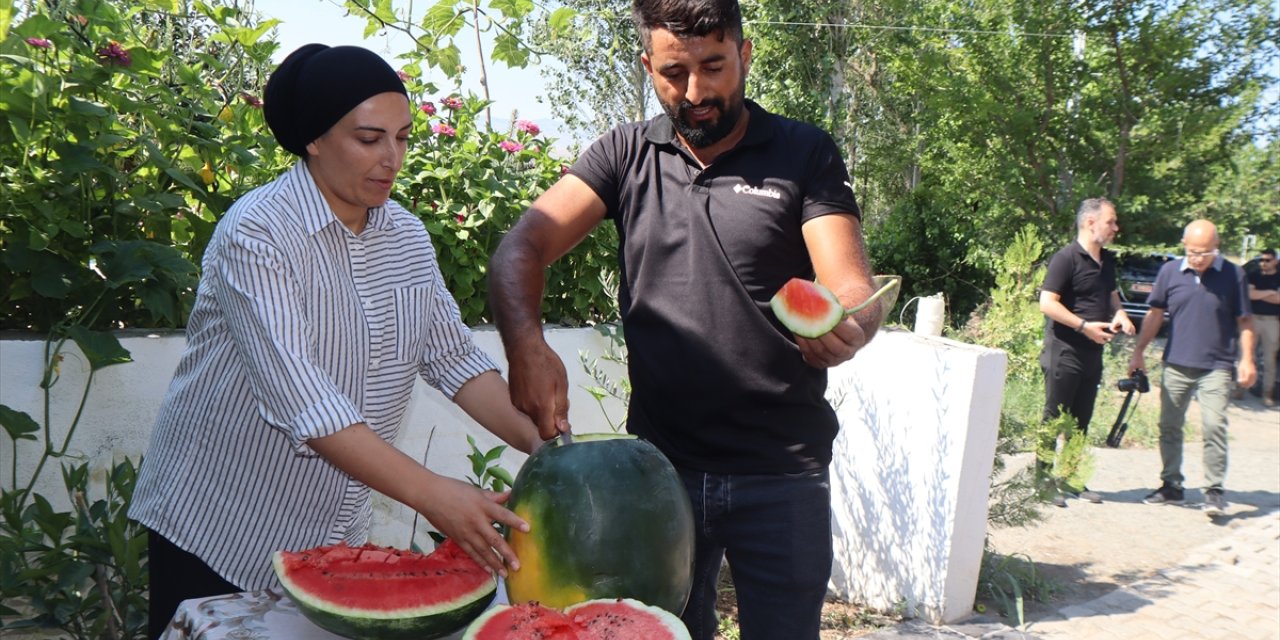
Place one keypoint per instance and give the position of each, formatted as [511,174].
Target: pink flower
[452,102]
[114,55]
[404,77]
[460,218]
[39,43]
[564,168]
[251,100]
[443,129]
[510,146]
[428,108]
[528,127]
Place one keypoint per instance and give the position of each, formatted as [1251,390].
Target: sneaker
[1166,494]
[1268,401]
[1059,500]
[1091,496]
[1214,503]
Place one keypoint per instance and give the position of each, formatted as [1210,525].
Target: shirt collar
[1216,266]
[314,209]
[759,128]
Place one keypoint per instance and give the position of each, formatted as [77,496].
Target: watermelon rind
[807,308]
[663,617]
[609,518]
[412,623]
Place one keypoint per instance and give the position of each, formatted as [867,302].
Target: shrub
[124,123]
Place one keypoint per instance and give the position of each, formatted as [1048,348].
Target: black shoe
[1091,496]
[1215,504]
[1059,500]
[1166,494]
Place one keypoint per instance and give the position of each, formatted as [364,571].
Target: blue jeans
[775,531]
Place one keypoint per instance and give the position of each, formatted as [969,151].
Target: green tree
[597,80]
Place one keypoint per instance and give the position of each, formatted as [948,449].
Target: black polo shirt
[1204,332]
[1263,282]
[718,383]
[1084,286]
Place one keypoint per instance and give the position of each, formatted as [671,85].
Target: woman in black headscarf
[320,303]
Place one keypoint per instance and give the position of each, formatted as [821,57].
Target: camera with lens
[1137,381]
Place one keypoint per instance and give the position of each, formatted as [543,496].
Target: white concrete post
[911,475]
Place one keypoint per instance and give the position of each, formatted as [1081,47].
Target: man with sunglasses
[1264,294]
[1210,333]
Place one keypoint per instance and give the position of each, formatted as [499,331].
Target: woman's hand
[467,514]
[460,511]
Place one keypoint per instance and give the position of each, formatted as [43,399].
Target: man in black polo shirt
[1264,294]
[1210,333]
[1082,313]
[717,204]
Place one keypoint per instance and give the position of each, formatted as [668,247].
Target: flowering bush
[470,185]
[128,131]
[127,124]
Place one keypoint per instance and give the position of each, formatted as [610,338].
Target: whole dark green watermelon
[609,518]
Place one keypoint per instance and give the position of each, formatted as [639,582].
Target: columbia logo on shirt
[757,191]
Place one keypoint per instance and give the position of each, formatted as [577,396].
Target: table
[248,615]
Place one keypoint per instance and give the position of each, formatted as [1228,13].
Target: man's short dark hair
[1269,252]
[687,19]
[1089,208]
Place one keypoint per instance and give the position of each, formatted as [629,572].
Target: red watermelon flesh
[625,619]
[371,591]
[807,308]
[525,621]
[622,619]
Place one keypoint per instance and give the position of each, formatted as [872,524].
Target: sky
[327,22]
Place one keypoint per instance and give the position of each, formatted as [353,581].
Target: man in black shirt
[717,204]
[1082,313]
[1264,295]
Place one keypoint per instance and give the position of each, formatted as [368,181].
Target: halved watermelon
[810,310]
[386,593]
[619,619]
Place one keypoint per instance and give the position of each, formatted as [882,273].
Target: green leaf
[503,475]
[515,9]
[101,348]
[561,21]
[18,424]
[6,18]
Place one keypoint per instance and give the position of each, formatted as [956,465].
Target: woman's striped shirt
[300,329]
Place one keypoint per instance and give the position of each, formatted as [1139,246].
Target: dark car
[1135,275]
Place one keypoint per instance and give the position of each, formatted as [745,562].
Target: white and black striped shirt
[300,329]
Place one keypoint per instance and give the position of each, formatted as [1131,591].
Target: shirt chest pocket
[410,322]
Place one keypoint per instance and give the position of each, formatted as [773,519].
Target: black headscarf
[315,86]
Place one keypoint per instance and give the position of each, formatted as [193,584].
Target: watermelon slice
[385,593]
[620,619]
[810,310]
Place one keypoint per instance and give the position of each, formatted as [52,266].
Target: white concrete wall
[910,479]
[124,399]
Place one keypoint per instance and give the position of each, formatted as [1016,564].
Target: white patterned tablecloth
[249,615]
